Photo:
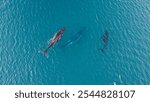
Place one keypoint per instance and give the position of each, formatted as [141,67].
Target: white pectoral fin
[59,38]
[49,41]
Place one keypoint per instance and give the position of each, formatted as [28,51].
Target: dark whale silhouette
[105,38]
[75,37]
[57,36]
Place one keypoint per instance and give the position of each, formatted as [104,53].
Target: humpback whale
[105,40]
[75,37]
[57,36]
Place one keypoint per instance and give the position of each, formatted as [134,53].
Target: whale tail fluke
[102,50]
[45,52]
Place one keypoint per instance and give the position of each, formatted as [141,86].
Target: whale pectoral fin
[59,38]
[49,41]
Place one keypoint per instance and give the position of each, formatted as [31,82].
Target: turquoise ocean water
[27,25]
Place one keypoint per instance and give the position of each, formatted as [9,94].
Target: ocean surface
[27,25]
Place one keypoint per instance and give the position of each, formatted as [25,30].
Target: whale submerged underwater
[74,38]
[105,39]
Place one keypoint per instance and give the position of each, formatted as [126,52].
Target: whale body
[74,38]
[105,39]
[57,36]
